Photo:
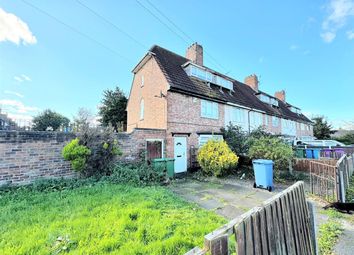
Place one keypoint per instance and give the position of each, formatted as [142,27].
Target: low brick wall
[26,156]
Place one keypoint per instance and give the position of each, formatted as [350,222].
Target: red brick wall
[184,116]
[27,156]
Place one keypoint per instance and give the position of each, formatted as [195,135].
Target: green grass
[329,232]
[101,219]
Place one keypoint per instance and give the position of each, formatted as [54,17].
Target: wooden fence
[283,224]
[330,182]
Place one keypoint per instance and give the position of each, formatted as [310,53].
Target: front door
[180,149]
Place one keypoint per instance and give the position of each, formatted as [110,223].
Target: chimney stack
[252,81]
[280,95]
[195,53]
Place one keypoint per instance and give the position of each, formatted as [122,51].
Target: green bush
[240,141]
[104,146]
[215,157]
[77,154]
[136,174]
[272,148]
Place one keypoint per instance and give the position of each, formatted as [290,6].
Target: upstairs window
[142,109]
[142,81]
[209,109]
[268,100]
[275,121]
[205,75]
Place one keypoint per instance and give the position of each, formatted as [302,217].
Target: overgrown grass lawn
[101,219]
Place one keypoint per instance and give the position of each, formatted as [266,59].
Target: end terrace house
[190,103]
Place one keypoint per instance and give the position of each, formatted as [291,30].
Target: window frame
[204,109]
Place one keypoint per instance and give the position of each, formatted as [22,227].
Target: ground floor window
[154,149]
[204,138]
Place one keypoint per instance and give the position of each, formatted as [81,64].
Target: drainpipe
[249,122]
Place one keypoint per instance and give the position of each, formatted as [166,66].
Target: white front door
[180,149]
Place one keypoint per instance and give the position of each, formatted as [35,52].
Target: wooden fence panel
[283,225]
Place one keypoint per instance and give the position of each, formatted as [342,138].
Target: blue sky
[305,47]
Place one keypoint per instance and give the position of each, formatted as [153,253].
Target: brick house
[192,102]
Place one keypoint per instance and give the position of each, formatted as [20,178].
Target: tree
[113,109]
[347,139]
[83,119]
[322,129]
[49,120]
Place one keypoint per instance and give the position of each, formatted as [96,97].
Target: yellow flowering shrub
[216,157]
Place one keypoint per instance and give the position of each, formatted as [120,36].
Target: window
[205,138]
[205,75]
[275,121]
[142,81]
[142,109]
[268,100]
[209,109]
[256,119]
[266,123]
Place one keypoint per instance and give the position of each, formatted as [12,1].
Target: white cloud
[14,106]
[338,13]
[14,93]
[13,29]
[22,78]
[328,36]
[350,34]
[261,60]
[293,47]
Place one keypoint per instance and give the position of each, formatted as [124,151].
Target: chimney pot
[195,53]
[280,95]
[252,81]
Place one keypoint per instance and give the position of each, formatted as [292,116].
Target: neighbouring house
[6,123]
[191,103]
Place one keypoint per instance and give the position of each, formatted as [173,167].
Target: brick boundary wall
[26,156]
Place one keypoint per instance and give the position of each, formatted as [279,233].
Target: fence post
[313,226]
[342,186]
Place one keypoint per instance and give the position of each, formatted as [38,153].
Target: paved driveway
[228,198]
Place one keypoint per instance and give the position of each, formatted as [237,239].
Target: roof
[171,65]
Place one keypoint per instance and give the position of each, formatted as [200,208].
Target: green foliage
[235,138]
[49,120]
[272,148]
[347,139]
[102,219]
[328,236]
[322,129]
[136,174]
[77,154]
[240,141]
[350,191]
[112,111]
[215,157]
[104,147]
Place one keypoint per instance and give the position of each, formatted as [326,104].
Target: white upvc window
[209,109]
[256,119]
[142,81]
[266,123]
[142,109]
[203,139]
[275,121]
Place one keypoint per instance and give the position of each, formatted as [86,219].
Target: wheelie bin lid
[263,161]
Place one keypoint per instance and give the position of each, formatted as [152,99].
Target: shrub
[272,148]
[77,154]
[104,147]
[240,141]
[136,174]
[215,157]
[235,138]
